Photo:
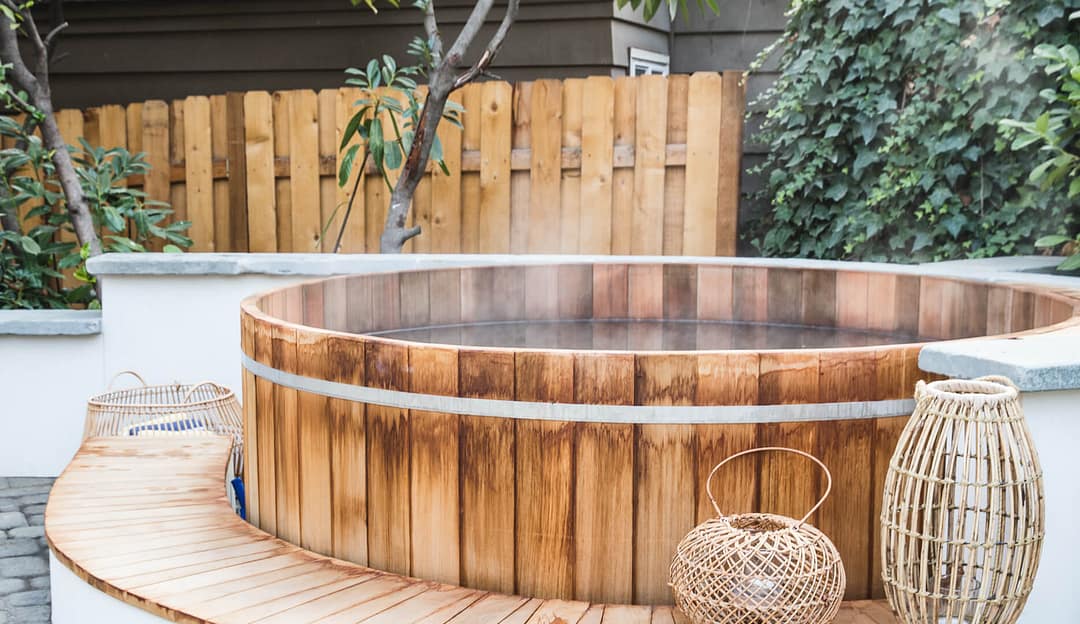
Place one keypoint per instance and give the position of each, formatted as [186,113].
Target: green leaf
[347,164]
[1052,240]
[171,249]
[30,245]
[350,128]
[1071,263]
[951,15]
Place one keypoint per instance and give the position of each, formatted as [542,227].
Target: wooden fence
[644,165]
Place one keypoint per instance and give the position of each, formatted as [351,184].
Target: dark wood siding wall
[123,51]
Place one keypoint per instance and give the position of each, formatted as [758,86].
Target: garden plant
[883,130]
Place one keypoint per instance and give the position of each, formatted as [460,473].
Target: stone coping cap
[50,322]
[1034,363]
[318,264]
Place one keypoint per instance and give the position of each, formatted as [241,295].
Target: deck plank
[202,563]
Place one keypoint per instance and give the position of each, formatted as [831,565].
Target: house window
[645,63]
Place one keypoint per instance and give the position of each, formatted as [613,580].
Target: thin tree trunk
[395,234]
[36,85]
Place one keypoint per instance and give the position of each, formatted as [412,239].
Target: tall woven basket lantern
[202,408]
[758,568]
[962,516]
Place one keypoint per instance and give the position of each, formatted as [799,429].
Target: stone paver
[24,555]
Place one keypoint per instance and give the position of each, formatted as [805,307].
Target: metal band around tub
[578,412]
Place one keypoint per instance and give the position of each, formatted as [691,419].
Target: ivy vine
[883,130]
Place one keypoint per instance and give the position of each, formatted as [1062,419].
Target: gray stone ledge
[1035,363]
[50,322]
[1012,269]
[340,264]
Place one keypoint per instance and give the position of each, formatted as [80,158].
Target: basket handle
[192,389]
[999,379]
[828,477]
[121,374]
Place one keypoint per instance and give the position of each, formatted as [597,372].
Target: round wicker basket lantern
[962,517]
[167,410]
[758,568]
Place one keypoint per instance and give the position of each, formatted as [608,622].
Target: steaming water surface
[638,335]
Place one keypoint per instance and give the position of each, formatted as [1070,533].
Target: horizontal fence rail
[642,165]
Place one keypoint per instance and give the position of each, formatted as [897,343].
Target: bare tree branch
[468,33]
[492,48]
[51,36]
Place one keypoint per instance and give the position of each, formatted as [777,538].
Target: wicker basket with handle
[758,567]
[167,410]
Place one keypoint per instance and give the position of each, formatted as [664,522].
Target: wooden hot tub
[570,462]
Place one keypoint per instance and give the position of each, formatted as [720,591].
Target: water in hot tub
[644,335]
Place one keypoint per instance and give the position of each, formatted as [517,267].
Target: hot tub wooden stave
[578,506]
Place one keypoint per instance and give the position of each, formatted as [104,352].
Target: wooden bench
[147,521]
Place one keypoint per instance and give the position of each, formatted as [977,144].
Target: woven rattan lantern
[167,410]
[962,516]
[758,568]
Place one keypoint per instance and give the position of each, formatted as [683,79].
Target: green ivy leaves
[883,130]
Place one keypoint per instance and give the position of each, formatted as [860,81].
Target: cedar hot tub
[546,430]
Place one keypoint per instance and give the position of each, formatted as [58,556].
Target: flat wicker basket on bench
[167,410]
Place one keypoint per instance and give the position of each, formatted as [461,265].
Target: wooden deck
[147,522]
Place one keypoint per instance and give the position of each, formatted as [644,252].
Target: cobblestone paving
[24,556]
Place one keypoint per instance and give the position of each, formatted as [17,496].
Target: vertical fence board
[133,113]
[474,99]
[236,150]
[198,171]
[496,131]
[259,162]
[328,195]
[731,127]
[647,219]
[282,186]
[446,191]
[702,164]
[546,166]
[303,113]
[353,239]
[520,180]
[570,185]
[622,194]
[219,152]
[70,123]
[597,152]
[155,142]
[177,191]
[675,175]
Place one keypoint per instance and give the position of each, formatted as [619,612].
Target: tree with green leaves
[32,95]
[390,91]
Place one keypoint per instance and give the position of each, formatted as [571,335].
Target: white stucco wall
[76,602]
[1055,427]
[45,379]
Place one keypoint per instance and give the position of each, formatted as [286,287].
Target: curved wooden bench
[147,521]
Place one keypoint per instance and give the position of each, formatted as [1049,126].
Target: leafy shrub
[883,130]
[32,261]
[1057,132]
